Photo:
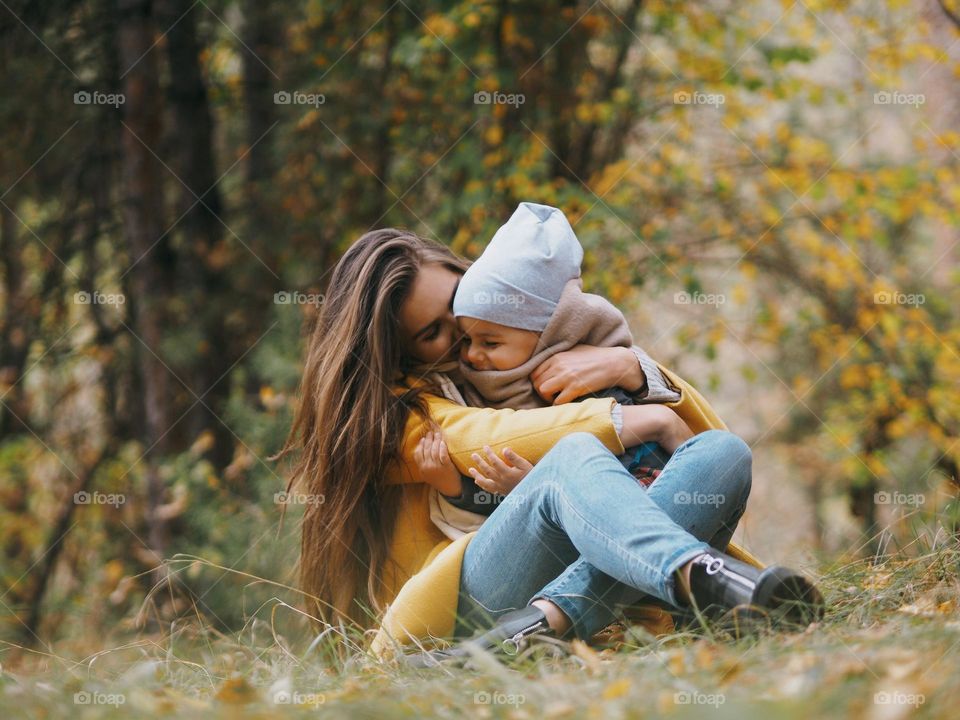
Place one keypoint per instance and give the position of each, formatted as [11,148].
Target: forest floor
[888,648]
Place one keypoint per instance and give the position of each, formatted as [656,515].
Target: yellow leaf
[203,443]
[617,689]
[236,691]
[493,135]
[587,654]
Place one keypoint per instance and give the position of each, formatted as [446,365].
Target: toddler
[520,303]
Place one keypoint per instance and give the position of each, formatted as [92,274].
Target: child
[520,303]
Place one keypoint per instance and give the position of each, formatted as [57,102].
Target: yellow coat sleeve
[692,407]
[529,433]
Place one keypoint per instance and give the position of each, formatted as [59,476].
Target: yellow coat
[422,586]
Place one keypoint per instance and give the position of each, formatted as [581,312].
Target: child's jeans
[580,531]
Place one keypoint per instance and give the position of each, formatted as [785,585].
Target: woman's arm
[529,433]
[587,369]
[658,388]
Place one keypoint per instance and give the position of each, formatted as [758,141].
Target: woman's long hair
[349,423]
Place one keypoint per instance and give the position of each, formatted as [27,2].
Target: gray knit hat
[518,279]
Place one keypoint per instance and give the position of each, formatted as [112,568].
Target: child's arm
[653,423]
[495,476]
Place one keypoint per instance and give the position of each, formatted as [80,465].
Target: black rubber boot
[720,583]
[508,636]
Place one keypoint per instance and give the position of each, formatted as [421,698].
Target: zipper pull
[713,564]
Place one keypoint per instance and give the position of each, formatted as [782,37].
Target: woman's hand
[496,476]
[585,369]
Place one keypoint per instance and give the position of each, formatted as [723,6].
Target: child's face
[489,346]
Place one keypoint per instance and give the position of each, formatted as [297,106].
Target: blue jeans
[580,531]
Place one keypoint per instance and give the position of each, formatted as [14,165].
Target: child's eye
[432,335]
[490,345]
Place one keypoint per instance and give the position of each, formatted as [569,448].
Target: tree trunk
[142,226]
[260,38]
[203,262]
[14,336]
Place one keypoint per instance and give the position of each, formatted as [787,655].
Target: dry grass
[888,648]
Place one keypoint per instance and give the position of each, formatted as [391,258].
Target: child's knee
[573,450]
[738,460]
[578,445]
[734,456]
[733,447]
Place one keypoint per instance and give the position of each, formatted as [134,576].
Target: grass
[888,648]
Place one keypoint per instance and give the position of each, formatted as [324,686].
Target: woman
[366,401]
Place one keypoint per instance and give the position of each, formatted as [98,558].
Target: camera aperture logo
[99,298]
[896,497]
[699,298]
[684,97]
[890,297]
[699,698]
[297,498]
[483,297]
[95,97]
[499,698]
[885,97]
[283,97]
[285,697]
[482,497]
[298,298]
[98,498]
[682,497]
[85,697]
[899,698]
[484,97]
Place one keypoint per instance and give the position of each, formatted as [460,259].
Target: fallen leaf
[236,691]
[617,689]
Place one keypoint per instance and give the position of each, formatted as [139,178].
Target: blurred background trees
[770,188]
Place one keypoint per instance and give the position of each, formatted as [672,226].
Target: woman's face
[429,329]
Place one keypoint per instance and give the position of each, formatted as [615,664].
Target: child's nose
[472,354]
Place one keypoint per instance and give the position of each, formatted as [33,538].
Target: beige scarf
[580,318]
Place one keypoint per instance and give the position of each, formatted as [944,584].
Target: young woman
[575,538]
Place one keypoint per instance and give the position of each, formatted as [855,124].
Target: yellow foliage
[441,26]
[852,377]
[493,135]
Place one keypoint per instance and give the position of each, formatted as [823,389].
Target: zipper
[716,565]
[511,646]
